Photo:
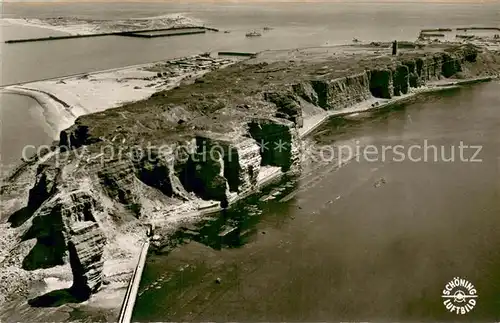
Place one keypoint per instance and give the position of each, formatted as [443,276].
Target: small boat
[267,28]
[253,34]
[355,40]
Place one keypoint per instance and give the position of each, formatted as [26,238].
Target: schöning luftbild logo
[459,296]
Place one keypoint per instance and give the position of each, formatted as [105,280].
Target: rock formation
[235,122]
[65,226]
[85,248]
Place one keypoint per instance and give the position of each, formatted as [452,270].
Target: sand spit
[80,26]
[65,99]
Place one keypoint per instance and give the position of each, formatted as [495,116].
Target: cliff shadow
[50,248]
[20,216]
[238,225]
[56,298]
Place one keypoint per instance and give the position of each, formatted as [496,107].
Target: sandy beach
[65,99]
[78,26]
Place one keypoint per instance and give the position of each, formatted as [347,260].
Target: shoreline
[85,27]
[64,99]
[189,212]
[131,33]
[275,175]
[366,106]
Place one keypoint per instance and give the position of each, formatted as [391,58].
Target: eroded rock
[76,136]
[66,225]
[288,106]
[278,140]
[381,85]
[86,246]
[46,182]
[342,92]
[401,80]
[203,172]
[119,182]
[306,91]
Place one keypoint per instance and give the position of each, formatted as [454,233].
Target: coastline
[59,114]
[196,209]
[63,99]
[89,27]
[315,121]
[274,174]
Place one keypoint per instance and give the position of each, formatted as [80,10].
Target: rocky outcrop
[279,142]
[66,226]
[339,93]
[220,165]
[381,83]
[76,136]
[117,177]
[288,106]
[160,167]
[243,170]
[401,80]
[85,247]
[47,178]
[203,173]
[206,140]
[451,65]
[306,91]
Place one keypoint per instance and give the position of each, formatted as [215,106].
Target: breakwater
[134,33]
[243,54]
[163,34]
[478,28]
[131,294]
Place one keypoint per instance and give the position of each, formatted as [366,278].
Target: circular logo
[459,296]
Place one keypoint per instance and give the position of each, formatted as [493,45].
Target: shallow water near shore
[22,125]
[373,240]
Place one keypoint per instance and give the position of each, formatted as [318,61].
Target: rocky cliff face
[65,225]
[279,143]
[86,247]
[341,92]
[205,141]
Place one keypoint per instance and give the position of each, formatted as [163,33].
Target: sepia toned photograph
[249,161]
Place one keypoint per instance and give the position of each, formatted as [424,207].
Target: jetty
[143,33]
[133,287]
[166,33]
[479,28]
[244,54]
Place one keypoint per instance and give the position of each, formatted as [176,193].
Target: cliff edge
[161,161]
